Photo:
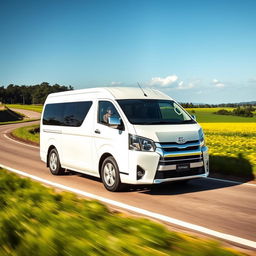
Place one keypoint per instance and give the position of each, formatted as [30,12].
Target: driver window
[106,109]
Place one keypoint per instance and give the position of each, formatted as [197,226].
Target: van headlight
[202,142]
[141,144]
[201,138]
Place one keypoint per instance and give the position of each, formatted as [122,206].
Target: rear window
[66,114]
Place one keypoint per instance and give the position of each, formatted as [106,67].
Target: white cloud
[184,86]
[116,83]
[217,83]
[163,81]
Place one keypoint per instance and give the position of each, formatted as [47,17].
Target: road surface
[225,207]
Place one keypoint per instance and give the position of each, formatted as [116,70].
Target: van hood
[168,133]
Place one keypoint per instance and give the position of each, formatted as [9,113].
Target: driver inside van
[108,114]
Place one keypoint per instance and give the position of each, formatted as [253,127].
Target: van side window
[75,113]
[53,114]
[66,114]
[106,109]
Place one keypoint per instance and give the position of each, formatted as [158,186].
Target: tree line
[225,105]
[29,94]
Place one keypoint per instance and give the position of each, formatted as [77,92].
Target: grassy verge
[28,133]
[35,220]
[36,108]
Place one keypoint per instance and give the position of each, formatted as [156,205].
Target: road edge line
[227,237]
[22,143]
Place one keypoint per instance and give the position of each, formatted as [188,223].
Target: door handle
[97,131]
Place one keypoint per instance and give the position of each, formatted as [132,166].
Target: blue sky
[195,51]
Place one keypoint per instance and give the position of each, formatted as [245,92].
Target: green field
[206,115]
[36,221]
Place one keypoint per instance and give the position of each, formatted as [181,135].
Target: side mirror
[114,121]
[194,117]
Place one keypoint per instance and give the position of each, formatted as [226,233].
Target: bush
[223,112]
[239,111]
[36,221]
[232,166]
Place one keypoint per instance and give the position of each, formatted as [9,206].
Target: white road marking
[25,144]
[231,181]
[158,216]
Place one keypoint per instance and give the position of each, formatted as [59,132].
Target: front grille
[167,143]
[181,159]
[174,154]
[174,149]
[177,174]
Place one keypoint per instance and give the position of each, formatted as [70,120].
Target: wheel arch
[102,158]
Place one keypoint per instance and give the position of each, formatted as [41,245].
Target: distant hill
[248,103]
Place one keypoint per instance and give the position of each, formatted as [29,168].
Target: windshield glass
[154,112]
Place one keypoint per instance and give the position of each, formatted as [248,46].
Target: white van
[122,135]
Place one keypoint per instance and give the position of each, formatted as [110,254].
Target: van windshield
[150,112]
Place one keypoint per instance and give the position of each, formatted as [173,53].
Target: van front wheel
[110,175]
[54,163]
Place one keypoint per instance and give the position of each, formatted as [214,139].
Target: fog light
[140,172]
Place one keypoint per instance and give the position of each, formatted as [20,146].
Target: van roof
[118,93]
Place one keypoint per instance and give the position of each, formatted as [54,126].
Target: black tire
[54,162]
[110,175]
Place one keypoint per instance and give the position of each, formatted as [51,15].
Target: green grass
[29,133]
[36,221]
[206,115]
[36,108]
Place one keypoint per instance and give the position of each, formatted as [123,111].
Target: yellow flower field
[232,139]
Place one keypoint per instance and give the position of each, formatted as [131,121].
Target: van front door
[110,139]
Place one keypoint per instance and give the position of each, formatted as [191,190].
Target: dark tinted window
[75,112]
[66,114]
[53,114]
[146,112]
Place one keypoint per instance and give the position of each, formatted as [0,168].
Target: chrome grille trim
[179,146]
[182,153]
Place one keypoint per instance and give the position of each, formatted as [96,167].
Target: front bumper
[157,172]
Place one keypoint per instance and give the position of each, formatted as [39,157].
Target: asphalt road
[222,206]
